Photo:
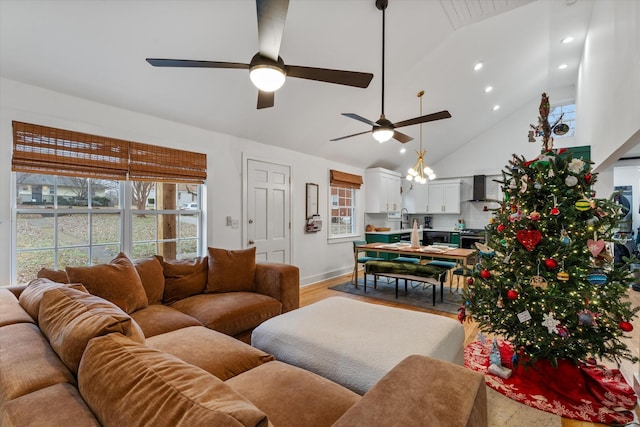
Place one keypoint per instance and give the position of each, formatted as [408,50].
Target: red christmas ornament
[501,228]
[626,326]
[587,177]
[550,263]
[485,274]
[529,238]
[555,211]
[512,294]
[469,281]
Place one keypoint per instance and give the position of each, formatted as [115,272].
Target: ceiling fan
[267,70]
[384,129]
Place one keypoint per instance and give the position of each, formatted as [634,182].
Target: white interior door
[268,210]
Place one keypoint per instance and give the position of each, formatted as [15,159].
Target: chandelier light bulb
[409,177]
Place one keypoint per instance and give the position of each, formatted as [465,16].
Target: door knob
[250,221]
[251,242]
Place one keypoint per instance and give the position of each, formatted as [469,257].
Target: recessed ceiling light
[567,39]
[488,89]
[403,150]
[562,67]
[477,66]
[496,107]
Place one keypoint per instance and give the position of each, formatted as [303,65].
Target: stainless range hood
[479,189]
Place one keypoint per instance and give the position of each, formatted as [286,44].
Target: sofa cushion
[10,309]
[54,275]
[159,319]
[117,282]
[31,296]
[232,270]
[70,318]
[184,278]
[291,396]
[213,351]
[152,277]
[127,384]
[230,313]
[35,409]
[31,364]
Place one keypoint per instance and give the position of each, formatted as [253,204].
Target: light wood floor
[318,291]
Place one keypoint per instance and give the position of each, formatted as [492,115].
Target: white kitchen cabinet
[443,197]
[382,190]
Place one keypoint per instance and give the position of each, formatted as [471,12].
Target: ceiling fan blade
[265,99]
[423,119]
[401,137]
[347,78]
[360,118]
[271,17]
[349,136]
[188,63]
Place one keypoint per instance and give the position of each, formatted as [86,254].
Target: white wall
[310,252]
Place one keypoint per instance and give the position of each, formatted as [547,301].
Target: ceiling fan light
[382,134]
[266,77]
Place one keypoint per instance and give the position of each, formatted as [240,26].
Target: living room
[606,92]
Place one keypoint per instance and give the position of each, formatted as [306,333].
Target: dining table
[460,256]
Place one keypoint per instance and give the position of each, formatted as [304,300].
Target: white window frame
[338,238]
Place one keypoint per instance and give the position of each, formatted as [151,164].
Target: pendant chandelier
[420,169]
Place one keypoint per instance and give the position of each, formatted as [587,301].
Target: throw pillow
[184,278]
[59,276]
[117,282]
[31,296]
[152,277]
[128,384]
[70,319]
[232,270]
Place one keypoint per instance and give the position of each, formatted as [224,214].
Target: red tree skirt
[583,392]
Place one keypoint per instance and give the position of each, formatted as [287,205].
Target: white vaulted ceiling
[96,49]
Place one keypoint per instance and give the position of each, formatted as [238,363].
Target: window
[568,114]
[343,212]
[82,199]
[342,203]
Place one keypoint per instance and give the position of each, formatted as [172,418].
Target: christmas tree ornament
[501,228]
[524,183]
[534,216]
[595,246]
[550,263]
[587,178]
[537,185]
[563,276]
[538,282]
[529,238]
[562,331]
[583,205]
[561,129]
[570,180]
[575,166]
[550,323]
[586,317]
[485,274]
[469,281]
[500,303]
[597,277]
[555,211]
[503,242]
[516,216]
[507,258]
[626,326]
[564,237]
[512,294]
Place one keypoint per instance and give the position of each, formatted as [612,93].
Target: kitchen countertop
[408,230]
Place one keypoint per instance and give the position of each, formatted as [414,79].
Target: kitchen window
[343,190]
[81,199]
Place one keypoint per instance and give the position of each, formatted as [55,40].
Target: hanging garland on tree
[546,279]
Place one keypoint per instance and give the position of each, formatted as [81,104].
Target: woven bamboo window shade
[343,179]
[42,149]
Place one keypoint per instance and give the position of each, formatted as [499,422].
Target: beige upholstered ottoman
[355,343]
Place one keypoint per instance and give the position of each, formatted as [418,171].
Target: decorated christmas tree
[546,279]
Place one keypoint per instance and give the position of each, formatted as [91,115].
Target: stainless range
[470,236]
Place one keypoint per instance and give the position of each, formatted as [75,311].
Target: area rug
[586,392]
[416,295]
